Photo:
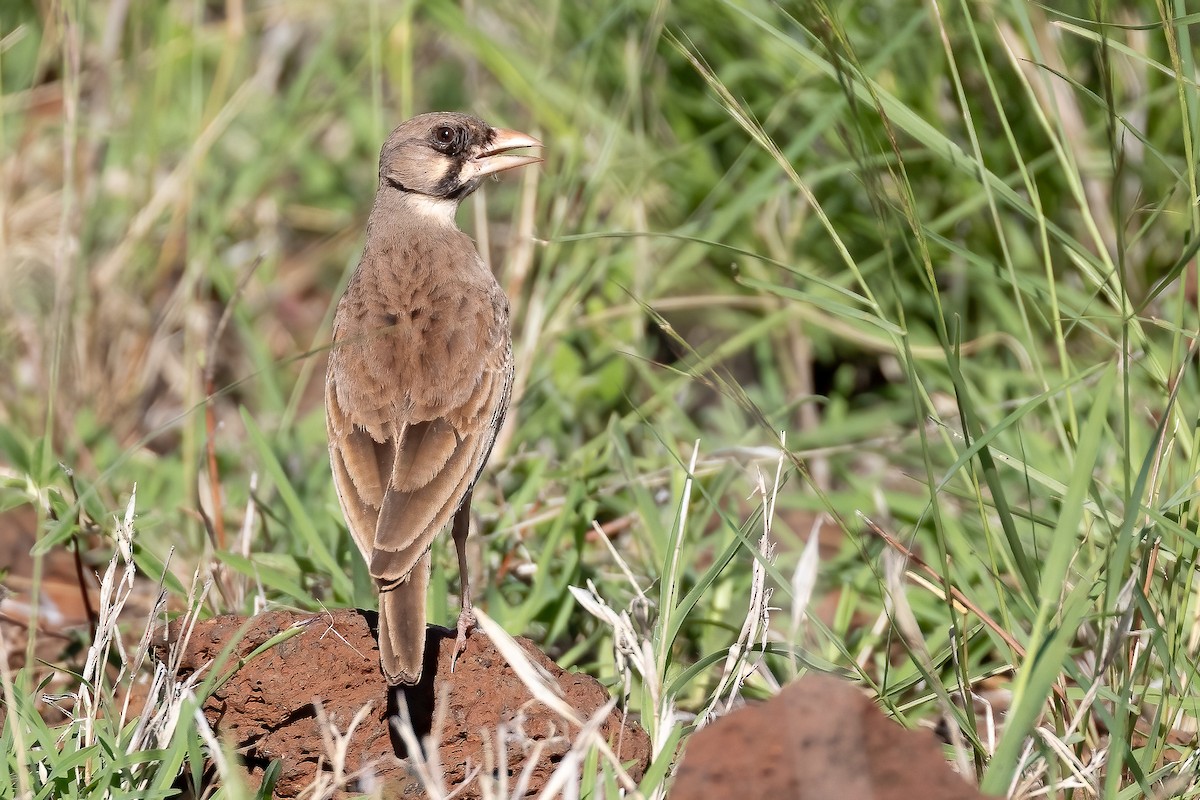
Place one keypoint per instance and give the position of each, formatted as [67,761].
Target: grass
[949,249]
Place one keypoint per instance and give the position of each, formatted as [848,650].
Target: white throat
[438,210]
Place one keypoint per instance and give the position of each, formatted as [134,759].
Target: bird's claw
[466,624]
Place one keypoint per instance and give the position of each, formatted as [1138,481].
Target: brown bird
[420,371]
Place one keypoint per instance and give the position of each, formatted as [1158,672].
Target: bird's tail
[402,626]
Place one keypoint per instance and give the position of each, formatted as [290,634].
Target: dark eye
[449,139]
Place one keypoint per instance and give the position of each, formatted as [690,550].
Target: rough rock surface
[819,738]
[268,710]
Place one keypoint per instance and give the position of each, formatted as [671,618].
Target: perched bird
[420,371]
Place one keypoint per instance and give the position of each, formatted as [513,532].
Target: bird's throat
[426,208]
[406,207]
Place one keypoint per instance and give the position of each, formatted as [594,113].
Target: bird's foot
[466,624]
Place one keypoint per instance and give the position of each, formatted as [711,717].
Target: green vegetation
[947,248]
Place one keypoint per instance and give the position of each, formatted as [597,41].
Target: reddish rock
[820,738]
[267,708]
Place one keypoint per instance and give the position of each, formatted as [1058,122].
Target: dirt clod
[819,738]
[268,708]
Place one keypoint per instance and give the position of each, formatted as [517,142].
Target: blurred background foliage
[947,248]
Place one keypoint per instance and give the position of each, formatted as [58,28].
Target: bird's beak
[494,159]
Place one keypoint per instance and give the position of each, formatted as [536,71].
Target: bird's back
[420,371]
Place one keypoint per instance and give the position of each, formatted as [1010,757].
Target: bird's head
[444,156]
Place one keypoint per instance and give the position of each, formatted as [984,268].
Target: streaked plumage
[420,370]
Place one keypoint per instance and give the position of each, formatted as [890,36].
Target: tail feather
[402,626]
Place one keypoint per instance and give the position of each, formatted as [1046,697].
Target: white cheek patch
[436,170]
[469,172]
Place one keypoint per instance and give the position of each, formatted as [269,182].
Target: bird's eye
[449,139]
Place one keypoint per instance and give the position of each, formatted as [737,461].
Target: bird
[420,371]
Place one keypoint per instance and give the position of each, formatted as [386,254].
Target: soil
[268,708]
[818,739]
[60,600]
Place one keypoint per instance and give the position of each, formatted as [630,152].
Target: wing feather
[423,451]
[409,521]
[355,459]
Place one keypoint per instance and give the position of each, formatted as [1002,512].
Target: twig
[961,598]
[210,424]
[92,615]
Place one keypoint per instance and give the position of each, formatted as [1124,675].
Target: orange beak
[494,159]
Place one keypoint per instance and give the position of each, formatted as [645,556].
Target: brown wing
[419,504]
[412,403]
[355,458]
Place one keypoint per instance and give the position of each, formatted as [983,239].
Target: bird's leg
[466,617]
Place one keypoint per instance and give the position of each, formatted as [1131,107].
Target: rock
[268,711]
[819,738]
